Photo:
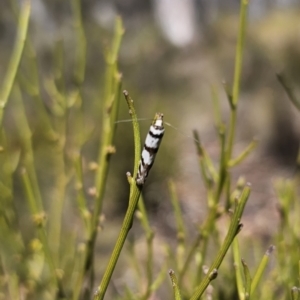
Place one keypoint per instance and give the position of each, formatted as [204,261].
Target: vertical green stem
[135,192]
[233,230]
[237,76]
[112,95]
[111,101]
[79,71]
[16,57]
[149,237]
[127,223]
[238,271]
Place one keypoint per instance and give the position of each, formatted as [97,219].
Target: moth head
[158,120]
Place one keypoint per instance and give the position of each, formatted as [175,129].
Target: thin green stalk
[13,284]
[261,268]
[231,135]
[295,293]
[81,199]
[214,196]
[207,168]
[216,106]
[177,212]
[58,197]
[234,229]
[32,74]
[24,134]
[59,101]
[160,278]
[59,65]
[129,294]
[11,243]
[15,57]
[206,229]
[238,271]
[181,237]
[149,238]
[289,89]
[33,89]
[222,167]
[247,280]
[235,161]
[59,191]
[237,76]
[239,52]
[111,98]
[135,192]
[39,217]
[190,257]
[149,267]
[78,275]
[134,261]
[137,137]
[103,161]
[142,216]
[79,72]
[30,182]
[113,84]
[175,286]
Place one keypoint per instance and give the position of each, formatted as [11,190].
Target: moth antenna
[181,132]
[166,123]
[130,120]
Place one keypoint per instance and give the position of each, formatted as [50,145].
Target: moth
[151,146]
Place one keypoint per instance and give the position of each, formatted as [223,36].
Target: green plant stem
[38,217]
[289,89]
[190,257]
[113,84]
[112,96]
[222,168]
[127,223]
[13,284]
[214,196]
[33,88]
[160,277]
[234,228]
[175,286]
[295,293]
[149,238]
[81,200]
[207,168]
[15,58]
[137,137]
[135,192]
[177,212]
[237,76]
[248,280]
[261,268]
[237,265]
[235,161]
[239,52]
[205,230]
[58,194]
[216,106]
[181,236]
[79,72]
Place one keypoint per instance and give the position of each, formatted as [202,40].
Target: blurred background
[173,54]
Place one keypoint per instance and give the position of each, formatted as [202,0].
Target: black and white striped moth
[152,142]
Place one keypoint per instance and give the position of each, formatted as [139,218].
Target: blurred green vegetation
[63,189]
